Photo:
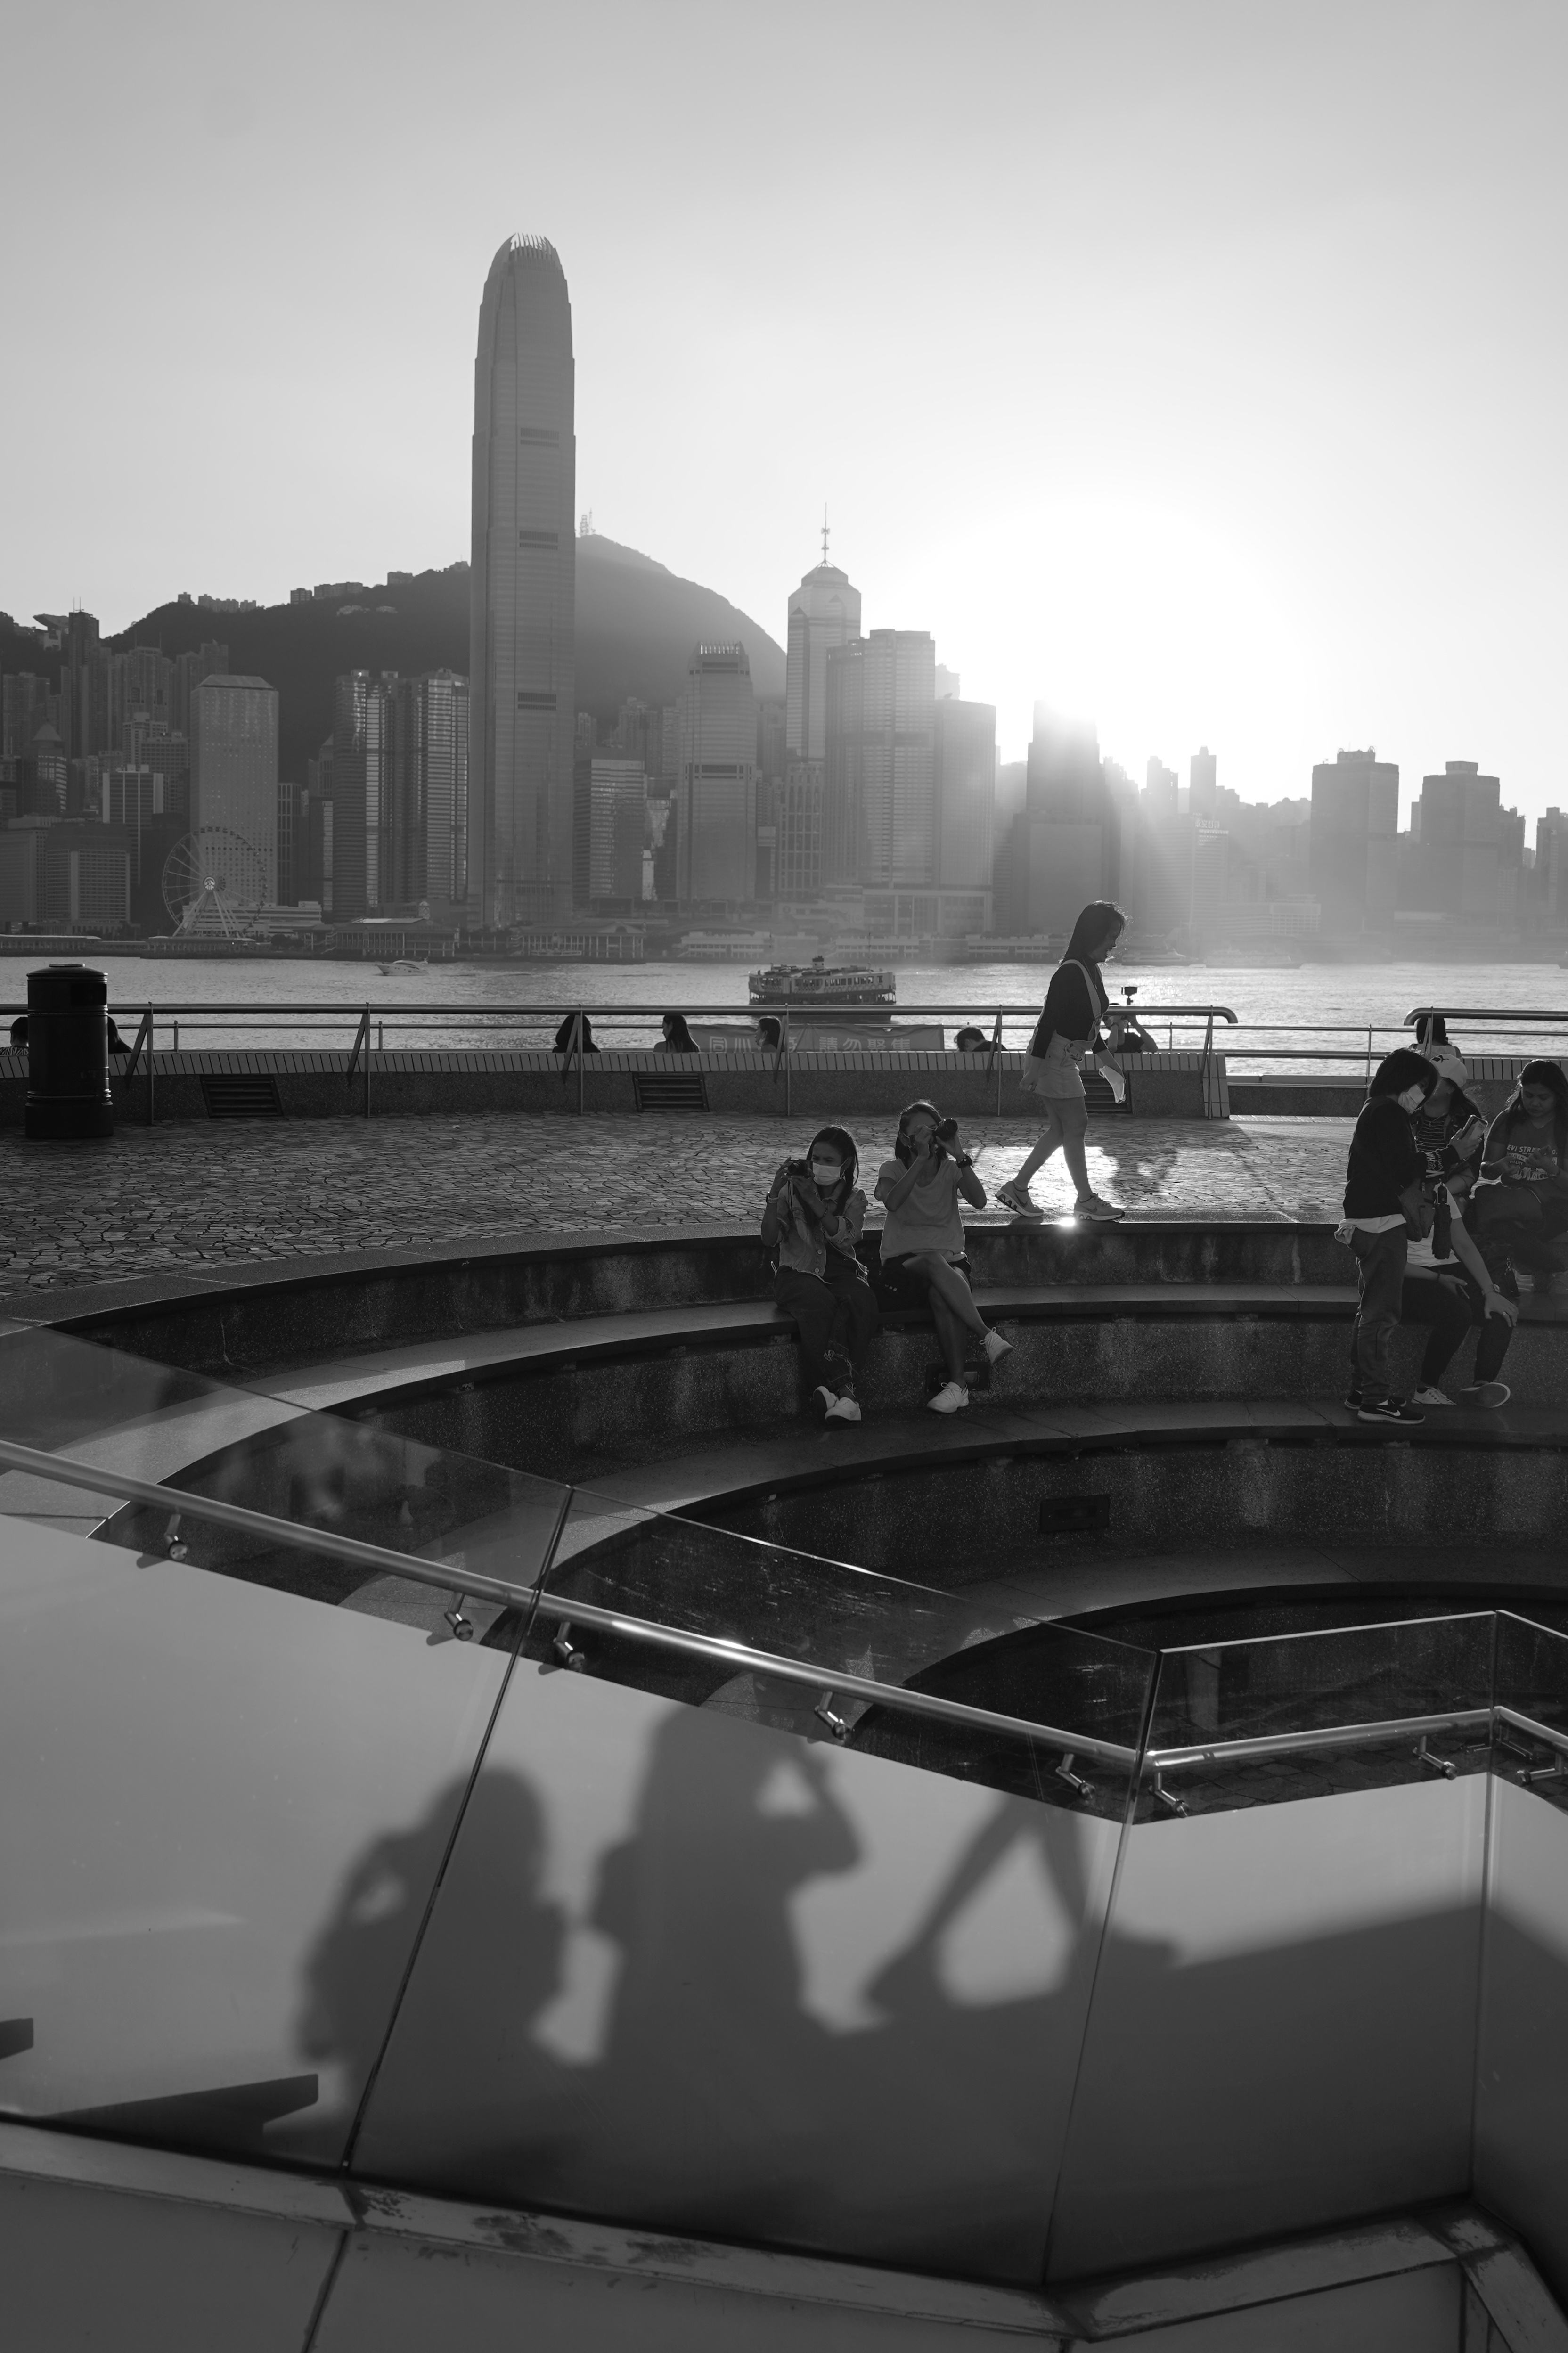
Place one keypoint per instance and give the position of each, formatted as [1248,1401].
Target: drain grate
[242,1094]
[679,1091]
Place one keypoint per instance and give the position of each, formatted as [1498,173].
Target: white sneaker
[1490,1394]
[843,1409]
[951,1400]
[997,1347]
[1098,1212]
[1015,1197]
[1430,1397]
[821,1401]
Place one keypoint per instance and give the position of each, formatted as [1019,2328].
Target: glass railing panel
[343,1477]
[223,1811]
[1521,2077]
[703,1973]
[857,1623]
[1283,2026]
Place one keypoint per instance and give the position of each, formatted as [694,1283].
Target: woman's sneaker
[1098,1212]
[1430,1395]
[821,1401]
[997,1347]
[1015,1197]
[1392,1409]
[952,1398]
[1492,1394]
[843,1408]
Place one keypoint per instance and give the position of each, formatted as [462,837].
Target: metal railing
[1149,1764]
[563,1608]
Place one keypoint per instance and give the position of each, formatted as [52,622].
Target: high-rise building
[234,765]
[772,753]
[26,703]
[1356,824]
[797,843]
[824,614]
[965,793]
[880,815]
[1203,784]
[1550,876]
[716,813]
[443,751]
[210,661]
[1073,830]
[610,829]
[523,591]
[1458,851]
[363,719]
[84,717]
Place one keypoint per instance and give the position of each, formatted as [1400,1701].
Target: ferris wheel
[213,882]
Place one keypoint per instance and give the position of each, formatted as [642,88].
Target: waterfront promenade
[193,1197]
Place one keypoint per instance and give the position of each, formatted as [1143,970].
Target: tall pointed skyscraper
[522,593]
[824,614]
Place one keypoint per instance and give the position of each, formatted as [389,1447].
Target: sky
[1196,367]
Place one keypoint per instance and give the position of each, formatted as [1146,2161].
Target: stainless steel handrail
[1337,1735]
[470,1584]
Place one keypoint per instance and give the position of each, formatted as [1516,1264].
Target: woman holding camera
[814,1217]
[922,1243]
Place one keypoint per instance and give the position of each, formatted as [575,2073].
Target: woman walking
[1076,1004]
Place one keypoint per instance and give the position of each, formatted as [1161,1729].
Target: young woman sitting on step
[815,1215]
[1521,1201]
[1076,1005]
[923,1258]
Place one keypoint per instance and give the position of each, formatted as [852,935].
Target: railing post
[367,1062]
[996,1058]
[577,1042]
[151,1042]
[783,1033]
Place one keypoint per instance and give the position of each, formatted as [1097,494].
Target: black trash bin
[68,1053]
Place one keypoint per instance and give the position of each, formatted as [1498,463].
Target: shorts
[901,1283]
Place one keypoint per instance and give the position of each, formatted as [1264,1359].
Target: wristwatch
[963,1159]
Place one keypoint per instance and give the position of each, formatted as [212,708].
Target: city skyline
[1186,450]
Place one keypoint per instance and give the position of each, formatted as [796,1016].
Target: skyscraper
[1074,838]
[879,814]
[823,613]
[234,765]
[716,820]
[364,714]
[965,793]
[523,591]
[1355,821]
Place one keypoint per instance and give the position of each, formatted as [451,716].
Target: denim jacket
[803,1245]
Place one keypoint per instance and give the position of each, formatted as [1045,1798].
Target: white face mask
[1412,1099]
[825,1176]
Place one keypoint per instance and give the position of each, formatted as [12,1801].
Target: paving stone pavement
[203,1195]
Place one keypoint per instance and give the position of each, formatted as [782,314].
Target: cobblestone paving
[211,1195]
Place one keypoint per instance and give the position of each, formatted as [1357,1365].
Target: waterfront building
[234,765]
[824,615]
[1549,878]
[879,814]
[1354,822]
[797,831]
[610,821]
[965,793]
[716,822]
[522,592]
[1467,852]
[1074,836]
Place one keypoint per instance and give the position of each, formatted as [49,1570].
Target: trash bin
[68,1053]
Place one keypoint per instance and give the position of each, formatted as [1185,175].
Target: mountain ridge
[637,622]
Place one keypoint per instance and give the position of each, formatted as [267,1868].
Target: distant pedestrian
[813,1216]
[1384,1211]
[770,1032]
[970,1041]
[677,1037]
[565,1040]
[1076,1005]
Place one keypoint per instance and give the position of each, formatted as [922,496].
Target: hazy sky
[1196,366]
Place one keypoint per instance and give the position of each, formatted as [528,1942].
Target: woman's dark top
[1071,1010]
[1384,1161]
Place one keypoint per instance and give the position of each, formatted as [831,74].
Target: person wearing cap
[1450,1129]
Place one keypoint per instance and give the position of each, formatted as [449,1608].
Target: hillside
[637,623]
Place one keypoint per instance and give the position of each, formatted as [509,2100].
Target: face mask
[1412,1099]
[825,1176]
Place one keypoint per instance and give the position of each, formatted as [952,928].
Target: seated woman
[770,1032]
[970,1041]
[564,1039]
[1449,1131]
[1076,1004]
[677,1037]
[814,1217]
[1447,1287]
[923,1258]
[1521,1202]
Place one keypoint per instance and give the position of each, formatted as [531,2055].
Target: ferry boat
[820,983]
